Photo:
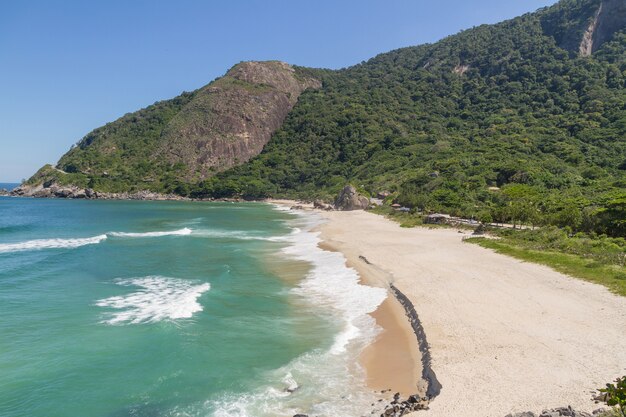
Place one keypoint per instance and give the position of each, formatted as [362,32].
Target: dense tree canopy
[501,122]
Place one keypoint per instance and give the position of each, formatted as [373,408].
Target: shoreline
[393,362]
[505,336]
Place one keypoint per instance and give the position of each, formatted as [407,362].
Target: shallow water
[119,308]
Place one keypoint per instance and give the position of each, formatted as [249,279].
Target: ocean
[8,185]
[131,308]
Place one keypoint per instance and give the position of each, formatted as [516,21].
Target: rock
[555,412]
[296,207]
[300,415]
[319,204]
[4,191]
[349,199]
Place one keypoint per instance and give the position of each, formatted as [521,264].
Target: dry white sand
[505,336]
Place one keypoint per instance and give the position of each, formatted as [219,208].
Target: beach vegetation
[598,259]
[615,395]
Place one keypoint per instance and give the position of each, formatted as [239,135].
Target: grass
[611,276]
[407,220]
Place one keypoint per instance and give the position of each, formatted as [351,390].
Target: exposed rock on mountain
[230,121]
[188,138]
[610,18]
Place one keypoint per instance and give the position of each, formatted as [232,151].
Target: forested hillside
[520,121]
[498,122]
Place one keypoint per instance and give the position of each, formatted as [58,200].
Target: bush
[615,395]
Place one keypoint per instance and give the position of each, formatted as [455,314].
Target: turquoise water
[112,308]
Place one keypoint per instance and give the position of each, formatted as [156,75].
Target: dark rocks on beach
[558,412]
[300,415]
[349,199]
[319,204]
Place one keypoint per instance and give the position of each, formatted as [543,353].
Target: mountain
[188,138]
[520,119]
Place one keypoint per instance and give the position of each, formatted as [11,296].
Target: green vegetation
[529,132]
[598,259]
[616,395]
[500,123]
[117,156]
[407,220]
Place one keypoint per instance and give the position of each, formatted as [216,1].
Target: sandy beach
[504,336]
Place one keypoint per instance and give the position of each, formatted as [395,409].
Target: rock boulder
[349,199]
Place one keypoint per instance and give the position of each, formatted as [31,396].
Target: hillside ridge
[524,120]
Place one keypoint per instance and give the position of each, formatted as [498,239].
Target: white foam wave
[280,207]
[236,235]
[329,382]
[71,243]
[157,298]
[181,232]
[39,244]
[334,287]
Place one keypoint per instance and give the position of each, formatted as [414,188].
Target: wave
[237,235]
[158,298]
[71,243]
[326,381]
[181,232]
[39,244]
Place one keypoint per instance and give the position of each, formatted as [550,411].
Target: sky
[67,67]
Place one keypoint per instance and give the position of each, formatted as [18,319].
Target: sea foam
[181,232]
[328,381]
[39,244]
[157,298]
[71,243]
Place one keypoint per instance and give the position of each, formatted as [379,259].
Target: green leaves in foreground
[615,395]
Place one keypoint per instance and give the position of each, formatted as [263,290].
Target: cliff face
[611,19]
[584,26]
[230,121]
[185,139]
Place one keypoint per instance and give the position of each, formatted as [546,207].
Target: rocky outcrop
[4,191]
[610,18]
[319,204]
[349,199]
[558,412]
[54,190]
[398,408]
[232,119]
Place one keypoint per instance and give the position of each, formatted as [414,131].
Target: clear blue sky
[68,66]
